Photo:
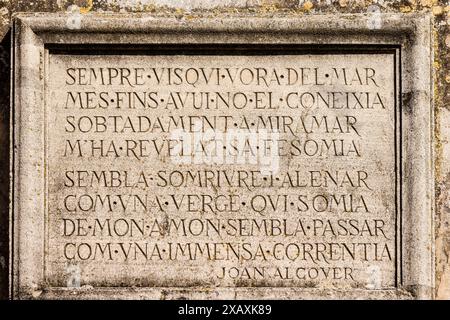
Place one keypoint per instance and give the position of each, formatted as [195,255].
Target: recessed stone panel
[224,170]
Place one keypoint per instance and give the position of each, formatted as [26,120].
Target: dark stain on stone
[407,98]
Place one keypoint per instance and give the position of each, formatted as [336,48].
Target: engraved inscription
[238,170]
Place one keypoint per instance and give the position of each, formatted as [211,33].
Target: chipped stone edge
[28,190]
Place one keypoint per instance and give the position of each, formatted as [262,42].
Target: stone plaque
[225,166]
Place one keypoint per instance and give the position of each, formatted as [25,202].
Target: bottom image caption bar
[220,309]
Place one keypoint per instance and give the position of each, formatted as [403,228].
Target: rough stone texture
[440,10]
[375,125]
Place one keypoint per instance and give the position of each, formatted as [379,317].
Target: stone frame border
[34,33]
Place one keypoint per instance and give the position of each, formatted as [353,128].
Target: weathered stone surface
[4,167]
[254,10]
[238,159]
[223,170]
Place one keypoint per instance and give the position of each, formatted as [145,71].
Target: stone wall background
[186,9]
